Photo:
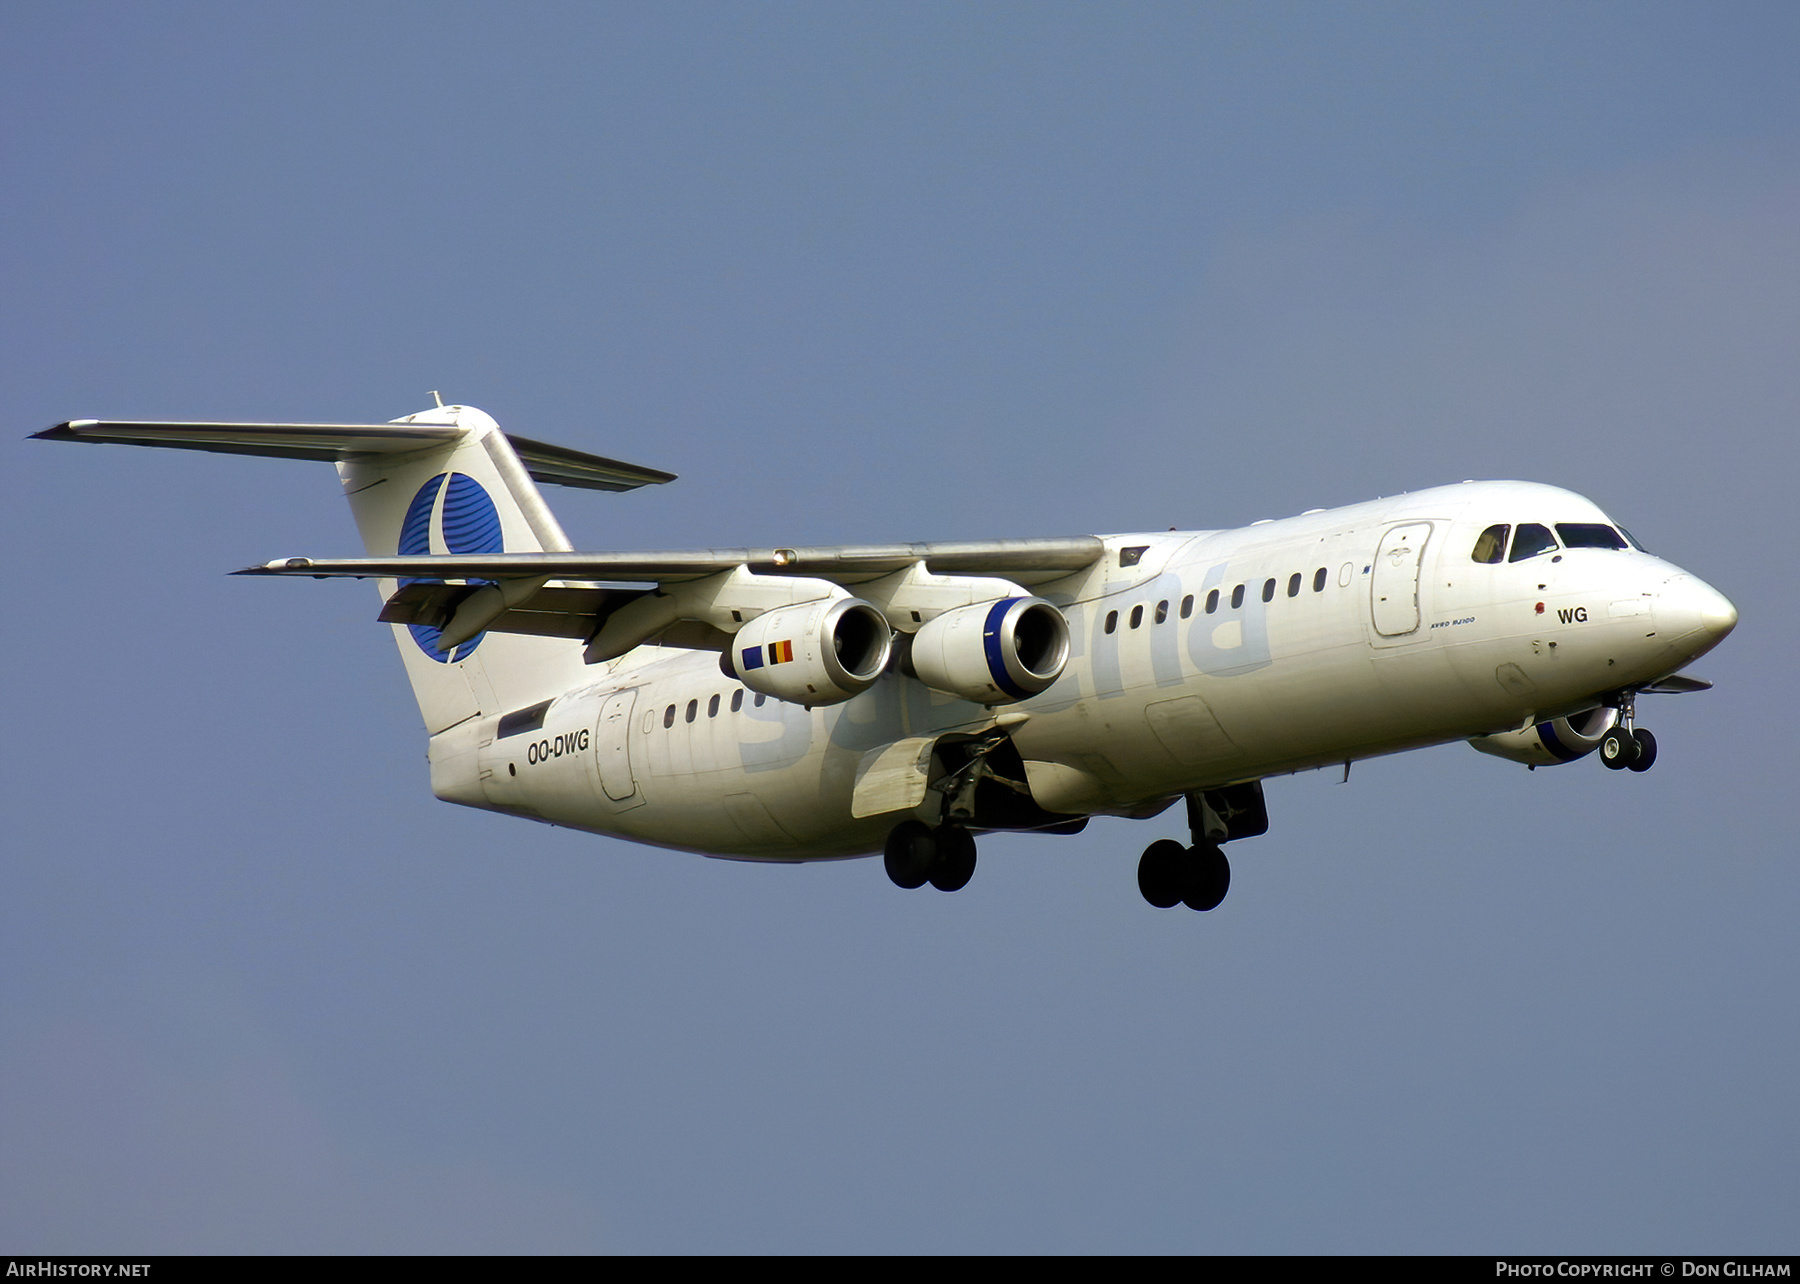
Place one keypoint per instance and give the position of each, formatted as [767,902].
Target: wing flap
[551,612]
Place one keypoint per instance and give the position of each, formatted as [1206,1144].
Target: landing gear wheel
[909,854]
[1208,877]
[1618,749]
[955,864]
[1160,872]
[1646,750]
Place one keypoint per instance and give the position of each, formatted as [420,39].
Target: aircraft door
[1394,580]
[614,736]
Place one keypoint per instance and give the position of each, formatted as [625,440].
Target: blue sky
[865,273]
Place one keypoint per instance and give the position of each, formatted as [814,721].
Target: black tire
[1646,750]
[909,854]
[1617,749]
[1159,872]
[1209,877]
[955,864]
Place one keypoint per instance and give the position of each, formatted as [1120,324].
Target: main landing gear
[1198,876]
[1628,745]
[916,854]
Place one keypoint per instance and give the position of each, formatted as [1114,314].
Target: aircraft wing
[1023,560]
[329,443]
[576,595]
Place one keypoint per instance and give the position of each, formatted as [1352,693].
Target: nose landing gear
[1628,745]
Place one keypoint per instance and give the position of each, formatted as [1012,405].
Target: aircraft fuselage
[1199,659]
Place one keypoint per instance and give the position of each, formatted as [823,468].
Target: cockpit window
[1632,540]
[1588,535]
[1531,540]
[1490,545]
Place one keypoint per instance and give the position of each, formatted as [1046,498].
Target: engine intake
[1548,744]
[993,652]
[820,652]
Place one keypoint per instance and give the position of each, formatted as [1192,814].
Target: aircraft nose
[1718,617]
[1689,605]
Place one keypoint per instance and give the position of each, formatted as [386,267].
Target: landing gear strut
[916,854]
[1628,745]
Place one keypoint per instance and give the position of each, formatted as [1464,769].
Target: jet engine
[993,652]
[821,652]
[1547,744]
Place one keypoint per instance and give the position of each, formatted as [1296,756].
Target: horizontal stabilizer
[561,466]
[329,443]
[1023,560]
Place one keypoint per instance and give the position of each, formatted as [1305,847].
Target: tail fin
[445,480]
[471,494]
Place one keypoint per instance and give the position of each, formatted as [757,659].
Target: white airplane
[793,704]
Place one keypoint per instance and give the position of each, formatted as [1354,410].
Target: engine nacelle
[1559,740]
[993,652]
[820,652]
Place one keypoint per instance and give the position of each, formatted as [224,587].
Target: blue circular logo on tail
[466,522]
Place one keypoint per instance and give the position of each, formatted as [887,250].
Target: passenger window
[1137,616]
[1268,590]
[669,717]
[1162,612]
[1319,580]
[693,708]
[1490,545]
[737,700]
[1237,597]
[1531,540]
[1187,606]
[712,707]
[760,697]
[1294,584]
[1212,601]
[1588,535]
[1112,621]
